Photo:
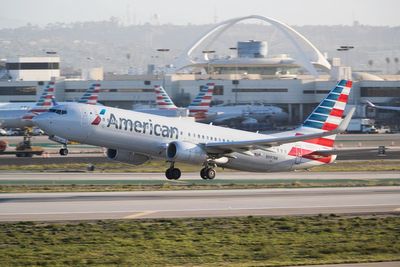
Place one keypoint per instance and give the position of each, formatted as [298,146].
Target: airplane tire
[203,174]
[63,151]
[176,173]
[168,174]
[210,173]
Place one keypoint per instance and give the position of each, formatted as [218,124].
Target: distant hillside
[117,48]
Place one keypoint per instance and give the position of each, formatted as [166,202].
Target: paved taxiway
[198,203]
[221,176]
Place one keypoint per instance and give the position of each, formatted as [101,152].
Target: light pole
[206,53]
[345,48]
[236,81]
[163,50]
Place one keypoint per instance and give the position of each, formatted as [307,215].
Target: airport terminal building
[296,83]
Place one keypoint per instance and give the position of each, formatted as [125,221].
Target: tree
[396,61]
[387,64]
[370,63]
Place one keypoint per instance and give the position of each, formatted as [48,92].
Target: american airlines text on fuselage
[143,127]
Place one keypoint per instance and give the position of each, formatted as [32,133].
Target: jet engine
[126,156]
[186,152]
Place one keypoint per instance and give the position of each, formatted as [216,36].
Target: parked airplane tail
[201,103]
[327,116]
[44,103]
[91,95]
[163,100]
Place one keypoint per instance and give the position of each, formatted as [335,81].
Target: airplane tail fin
[91,95]
[327,116]
[163,100]
[201,103]
[45,102]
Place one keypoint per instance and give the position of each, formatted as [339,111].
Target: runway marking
[140,214]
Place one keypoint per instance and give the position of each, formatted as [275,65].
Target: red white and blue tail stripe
[327,116]
[201,103]
[44,103]
[91,95]
[163,100]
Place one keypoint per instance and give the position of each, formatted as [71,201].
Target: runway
[198,203]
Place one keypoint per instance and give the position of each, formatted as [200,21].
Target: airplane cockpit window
[58,111]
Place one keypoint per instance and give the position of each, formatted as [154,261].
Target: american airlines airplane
[383,107]
[246,113]
[135,137]
[166,107]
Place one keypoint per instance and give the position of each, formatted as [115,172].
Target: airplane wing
[225,118]
[382,107]
[245,146]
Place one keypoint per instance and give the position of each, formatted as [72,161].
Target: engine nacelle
[126,156]
[186,152]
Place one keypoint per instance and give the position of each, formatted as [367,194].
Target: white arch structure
[308,63]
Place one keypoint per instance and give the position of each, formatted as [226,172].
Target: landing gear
[64,151]
[173,173]
[208,173]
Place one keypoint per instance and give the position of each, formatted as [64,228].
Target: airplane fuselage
[149,135]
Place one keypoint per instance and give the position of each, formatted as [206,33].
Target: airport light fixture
[206,52]
[345,48]
[163,50]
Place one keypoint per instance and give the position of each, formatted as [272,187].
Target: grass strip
[239,241]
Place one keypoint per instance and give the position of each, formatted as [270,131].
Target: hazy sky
[14,13]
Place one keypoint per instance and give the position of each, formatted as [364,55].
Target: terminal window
[31,90]
[218,90]
[380,91]
[33,66]
[260,90]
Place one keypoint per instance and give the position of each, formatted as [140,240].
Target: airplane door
[85,118]
[297,160]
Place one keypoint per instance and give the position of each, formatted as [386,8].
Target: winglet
[370,104]
[345,122]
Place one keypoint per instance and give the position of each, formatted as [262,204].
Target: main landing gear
[173,173]
[207,173]
[64,150]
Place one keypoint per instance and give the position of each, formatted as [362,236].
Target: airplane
[136,138]
[382,107]
[166,107]
[245,113]
[200,109]
[200,105]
